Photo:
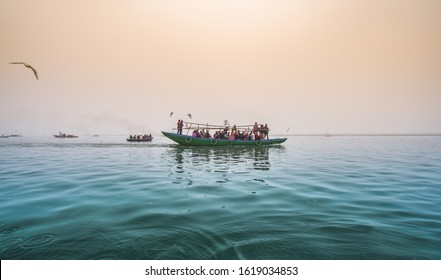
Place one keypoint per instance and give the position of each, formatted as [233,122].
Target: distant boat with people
[64,135]
[140,138]
[10,135]
[237,135]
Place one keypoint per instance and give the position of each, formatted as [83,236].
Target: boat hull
[187,140]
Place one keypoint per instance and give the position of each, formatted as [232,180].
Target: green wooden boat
[187,140]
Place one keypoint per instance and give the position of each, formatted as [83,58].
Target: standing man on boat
[177,126]
[180,126]
[266,131]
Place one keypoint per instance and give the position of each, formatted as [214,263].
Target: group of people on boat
[258,132]
[140,137]
[65,135]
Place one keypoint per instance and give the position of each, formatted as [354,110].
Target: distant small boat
[64,135]
[141,139]
[10,135]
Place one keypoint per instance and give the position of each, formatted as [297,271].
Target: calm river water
[362,197]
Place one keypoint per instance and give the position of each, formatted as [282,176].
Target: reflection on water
[220,156]
[220,163]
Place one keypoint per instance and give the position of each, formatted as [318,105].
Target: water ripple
[37,241]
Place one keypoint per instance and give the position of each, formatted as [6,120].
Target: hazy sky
[108,66]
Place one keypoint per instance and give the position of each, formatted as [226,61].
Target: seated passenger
[245,135]
[239,135]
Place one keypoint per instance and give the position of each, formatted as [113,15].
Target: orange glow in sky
[108,67]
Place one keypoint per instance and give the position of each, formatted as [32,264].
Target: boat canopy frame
[192,126]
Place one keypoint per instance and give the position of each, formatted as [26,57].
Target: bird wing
[32,68]
[28,66]
[35,72]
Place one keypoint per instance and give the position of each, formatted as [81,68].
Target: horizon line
[359,134]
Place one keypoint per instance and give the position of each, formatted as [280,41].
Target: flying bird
[171,114]
[28,66]
[189,115]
